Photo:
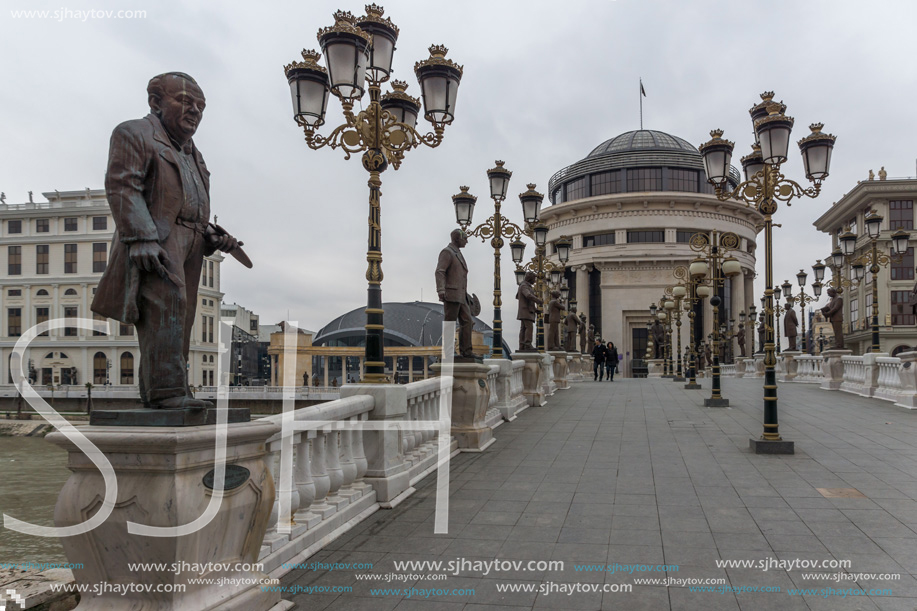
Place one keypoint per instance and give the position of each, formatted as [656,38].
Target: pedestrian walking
[611,361]
[599,354]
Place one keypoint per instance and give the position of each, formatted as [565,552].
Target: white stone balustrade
[506,387]
[809,369]
[854,374]
[888,385]
[907,375]
[728,370]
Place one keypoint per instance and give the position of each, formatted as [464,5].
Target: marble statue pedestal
[790,365]
[833,368]
[561,369]
[164,476]
[532,387]
[654,368]
[470,398]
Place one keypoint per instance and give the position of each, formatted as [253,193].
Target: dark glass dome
[643,160]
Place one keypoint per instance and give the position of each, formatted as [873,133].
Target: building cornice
[858,196]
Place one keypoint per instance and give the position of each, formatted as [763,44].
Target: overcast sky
[544,83]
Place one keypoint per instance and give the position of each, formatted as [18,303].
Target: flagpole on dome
[642,95]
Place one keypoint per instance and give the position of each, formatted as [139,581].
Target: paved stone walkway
[638,472]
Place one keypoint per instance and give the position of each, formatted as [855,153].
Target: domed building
[631,206]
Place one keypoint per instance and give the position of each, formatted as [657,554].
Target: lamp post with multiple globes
[358,57]
[763,187]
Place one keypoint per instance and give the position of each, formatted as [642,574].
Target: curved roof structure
[643,149]
[644,140]
[416,323]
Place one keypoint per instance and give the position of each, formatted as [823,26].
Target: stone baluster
[333,466]
[409,439]
[305,485]
[320,477]
[359,456]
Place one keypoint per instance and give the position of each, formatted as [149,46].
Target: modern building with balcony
[631,206]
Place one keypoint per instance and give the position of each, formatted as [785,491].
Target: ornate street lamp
[764,191]
[358,52]
[498,228]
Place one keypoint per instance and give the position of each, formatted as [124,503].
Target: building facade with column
[52,255]
[631,206]
[893,199]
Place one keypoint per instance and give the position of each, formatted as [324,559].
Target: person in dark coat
[599,355]
[611,362]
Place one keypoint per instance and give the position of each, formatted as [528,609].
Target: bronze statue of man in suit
[528,301]
[571,324]
[555,310]
[158,188]
[834,313]
[790,325]
[452,289]
[582,332]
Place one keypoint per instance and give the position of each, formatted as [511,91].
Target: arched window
[127,368]
[211,358]
[99,368]
[63,355]
[41,293]
[898,350]
[70,293]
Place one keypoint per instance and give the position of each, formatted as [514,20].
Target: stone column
[165,477]
[790,365]
[532,387]
[833,368]
[410,368]
[547,375]
[387,472]
[560,369]
[907,396]
[470,398]
[325,362]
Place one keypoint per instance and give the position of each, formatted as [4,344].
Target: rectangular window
[69,258]
[653,235]
[253,325]
[14,293]
[595,300]
[558,197]
[70,224]
[903,270]
[210,263]
[644,179]
[99,223]
[99,257]
[14,263]
[682,180]
[868,320]
[70,312]
[127,330]
[854,313]
[14,226]
[902,314]
[41,258]
[100,319]
[901,214]
[606,183]
[203,328]
[683,236]
[42,225]
[852,223]
[14,322]
[577,189]
[600,239]
[42,315]
[210,330]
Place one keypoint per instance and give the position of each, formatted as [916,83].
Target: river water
[32,472]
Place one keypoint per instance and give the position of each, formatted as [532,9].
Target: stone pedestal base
[790,365]
[693,386]
[506,403]
[560,370]
[759,365]
[654,368]
[575,367]
[833,368]
[708,402]
[532,387]
[164,479]
[470,397]
[761,446]
[549,386]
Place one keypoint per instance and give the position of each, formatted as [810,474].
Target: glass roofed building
[631,206]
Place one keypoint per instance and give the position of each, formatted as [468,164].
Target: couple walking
[604,360]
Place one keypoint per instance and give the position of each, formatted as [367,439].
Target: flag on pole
[642,90]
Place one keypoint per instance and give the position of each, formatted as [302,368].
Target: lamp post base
[763,446]
[678,379]
[711,402]
[693,386]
